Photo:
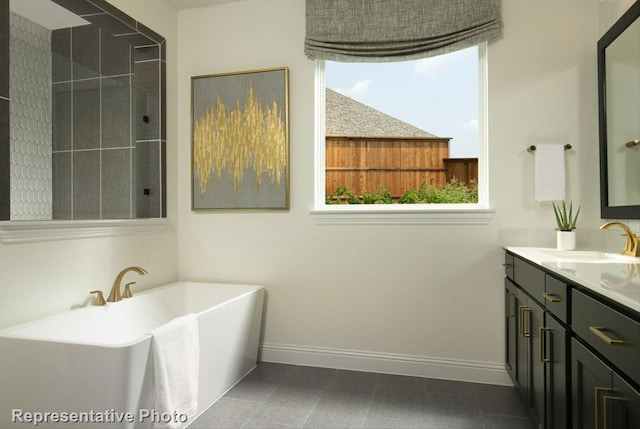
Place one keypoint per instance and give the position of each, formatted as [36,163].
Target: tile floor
[291,396]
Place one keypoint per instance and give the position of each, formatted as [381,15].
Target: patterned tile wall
[30,119]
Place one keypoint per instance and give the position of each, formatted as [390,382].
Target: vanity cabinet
[573,354]
[536,340]
[601,397]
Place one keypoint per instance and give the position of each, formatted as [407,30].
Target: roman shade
[396,30]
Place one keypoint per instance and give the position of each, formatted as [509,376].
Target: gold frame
[240,140]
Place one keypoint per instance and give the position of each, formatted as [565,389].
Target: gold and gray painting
[240,140]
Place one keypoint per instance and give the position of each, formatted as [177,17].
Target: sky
[438,94]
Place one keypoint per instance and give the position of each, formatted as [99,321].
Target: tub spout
[115,295]
[632,241]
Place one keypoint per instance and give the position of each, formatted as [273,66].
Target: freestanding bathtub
[93,367]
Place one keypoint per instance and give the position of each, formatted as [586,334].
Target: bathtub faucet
[115,295]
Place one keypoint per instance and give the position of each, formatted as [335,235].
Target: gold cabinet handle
[508,307]
[543,345]
[551,297]
[598,332]
[598,391]
[605,408]
[632,143]
[524,309]
[507,265]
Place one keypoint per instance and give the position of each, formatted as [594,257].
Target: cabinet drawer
[529,278]
[508,266]
[556,297]
[613,334]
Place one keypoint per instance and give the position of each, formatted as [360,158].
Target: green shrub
[454,192]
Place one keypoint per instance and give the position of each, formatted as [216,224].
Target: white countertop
[617,277]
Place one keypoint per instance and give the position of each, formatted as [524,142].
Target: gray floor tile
[390,423]
[257,424]
[507,422]
[399,398]
[354,381]
[275,373]
[504,400]
[295,396]
[225,414]
[252,390]
[396,409]
[283,415]
[449,386]
[318,378]
[339,410]
[292,396]
[451,411]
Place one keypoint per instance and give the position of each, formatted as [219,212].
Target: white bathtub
[95,363]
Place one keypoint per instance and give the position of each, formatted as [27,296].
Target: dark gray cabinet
[511,329]
[607,354]
[574,356]
[536,342]
[601,397]
[554,340]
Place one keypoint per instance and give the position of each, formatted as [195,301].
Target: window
[394,126]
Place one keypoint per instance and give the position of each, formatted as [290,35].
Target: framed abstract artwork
[240,140]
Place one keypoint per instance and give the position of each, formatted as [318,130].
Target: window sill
[12,232]
[407,215]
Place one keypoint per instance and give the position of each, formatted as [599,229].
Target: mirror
[619,115]
[82,108]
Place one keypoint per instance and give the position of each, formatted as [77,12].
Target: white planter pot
[566,240]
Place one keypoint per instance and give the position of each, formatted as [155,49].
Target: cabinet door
[535,326]
[591,382]
[622,408]
[523,324]
[511,328]
[554,341]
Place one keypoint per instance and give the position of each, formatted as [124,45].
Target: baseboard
[387,363]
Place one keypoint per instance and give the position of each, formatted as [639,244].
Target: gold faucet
[114,295]
[632,241]
[99,298]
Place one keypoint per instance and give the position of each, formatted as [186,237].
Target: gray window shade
[396,30]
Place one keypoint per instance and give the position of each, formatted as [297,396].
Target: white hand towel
[549,171]
[176,362]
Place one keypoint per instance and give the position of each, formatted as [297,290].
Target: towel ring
[532,148]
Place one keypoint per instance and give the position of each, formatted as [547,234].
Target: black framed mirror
[619,117]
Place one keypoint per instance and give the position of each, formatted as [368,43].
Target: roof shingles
[348,117]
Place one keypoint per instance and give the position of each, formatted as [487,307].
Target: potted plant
[566,225]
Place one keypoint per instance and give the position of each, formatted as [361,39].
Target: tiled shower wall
[107,106]
[92,129]
[4,112]
[108,132]
[30,119]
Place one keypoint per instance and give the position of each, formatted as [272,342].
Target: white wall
[39,279]
[408,299]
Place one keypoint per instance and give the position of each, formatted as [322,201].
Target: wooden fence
[397,164]
[464,170]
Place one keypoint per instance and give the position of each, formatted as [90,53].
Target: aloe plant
[565,220]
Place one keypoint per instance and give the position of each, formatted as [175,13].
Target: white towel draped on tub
[549,171]
[176,362]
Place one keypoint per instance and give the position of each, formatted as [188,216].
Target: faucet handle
[127,290]
[99,298]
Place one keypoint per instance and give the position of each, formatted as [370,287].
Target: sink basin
[590,256]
